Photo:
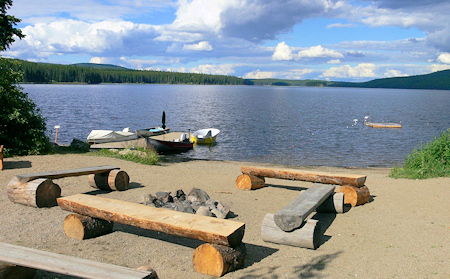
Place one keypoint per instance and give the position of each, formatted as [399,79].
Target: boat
[205,136]
[148,132]
[380,124]
[103,136]
[173,142]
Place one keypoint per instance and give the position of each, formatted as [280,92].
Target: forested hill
[437,80]
[102,73]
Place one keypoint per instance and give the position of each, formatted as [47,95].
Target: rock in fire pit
[196,202]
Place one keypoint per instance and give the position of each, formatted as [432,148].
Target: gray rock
[197,195]
[204,211]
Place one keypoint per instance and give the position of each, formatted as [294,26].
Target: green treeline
[83,73]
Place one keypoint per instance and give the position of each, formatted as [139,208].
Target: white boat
[206,136]
[102,136]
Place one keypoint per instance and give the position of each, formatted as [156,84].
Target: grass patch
[139,155]
[426,161]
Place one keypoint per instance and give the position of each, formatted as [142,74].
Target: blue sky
[337,40]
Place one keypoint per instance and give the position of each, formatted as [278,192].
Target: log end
[118,180]
[83,227]
[355,195]
[217,260]
[249,182]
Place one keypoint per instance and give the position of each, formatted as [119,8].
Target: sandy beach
[404,232]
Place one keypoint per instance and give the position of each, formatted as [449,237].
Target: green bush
[427,161]
[140,155]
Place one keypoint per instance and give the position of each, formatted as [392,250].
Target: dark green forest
[88,73]
[98,73]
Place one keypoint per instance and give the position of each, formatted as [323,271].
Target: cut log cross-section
[307,236]
[293,215]
[217,260]
[40,192]
[83,227]
[249,182]
[208,229]
[333,204]
[111,180]
[354,195]
[318,177]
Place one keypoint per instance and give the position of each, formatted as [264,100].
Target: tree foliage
[55,73]
[22,127]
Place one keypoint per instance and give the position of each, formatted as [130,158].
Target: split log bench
[287,226]
[19,257]
[352,185]
[38,189]
[223,252]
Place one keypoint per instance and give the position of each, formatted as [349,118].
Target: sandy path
[403,233]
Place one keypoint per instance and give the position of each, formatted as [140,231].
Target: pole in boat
[56,135]
[164,120]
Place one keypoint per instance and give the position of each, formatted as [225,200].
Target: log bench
[352,185]
[287,226]
[223,252]
[18,256]
[39,190]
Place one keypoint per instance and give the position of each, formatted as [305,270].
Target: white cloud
[282,52]
[318,51]
[204,45]
[365,70]
[224,69]
[444,58]
[334,61]
[394,73]
[339,25]
[259,75]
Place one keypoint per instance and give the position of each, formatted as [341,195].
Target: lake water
[282,125]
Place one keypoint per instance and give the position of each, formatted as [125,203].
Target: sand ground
[404,232]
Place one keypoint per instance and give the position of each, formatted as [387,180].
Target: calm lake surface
[282,125]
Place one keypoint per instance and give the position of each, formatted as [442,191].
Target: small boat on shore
[149,132]
[103,136]
[205,136]
[174,142]
[380,124]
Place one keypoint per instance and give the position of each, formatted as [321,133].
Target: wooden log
[208,229]
[118,180]
[318,177]
[249,182]
[65,173]
[354,195]
[67,265]
[307,236]
[217,260]
[83,227]
[333,204]
[1,157]
[111,181]
[293,215]
[40,192]
[11,271]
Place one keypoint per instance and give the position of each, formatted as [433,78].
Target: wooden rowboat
[174,142]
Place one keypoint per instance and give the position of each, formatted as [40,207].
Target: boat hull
[205,136]
[163,146]
[143,133]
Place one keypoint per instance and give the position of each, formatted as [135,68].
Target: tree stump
[217,260]
[333,204]
[41,192]
[110,181]
[83,227]
[307,236]
[11,271]
[355,195]
[250,182]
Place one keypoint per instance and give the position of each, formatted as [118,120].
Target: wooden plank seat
[38,189]
[208,229]
[256,173]
[65,173]
[67,265]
